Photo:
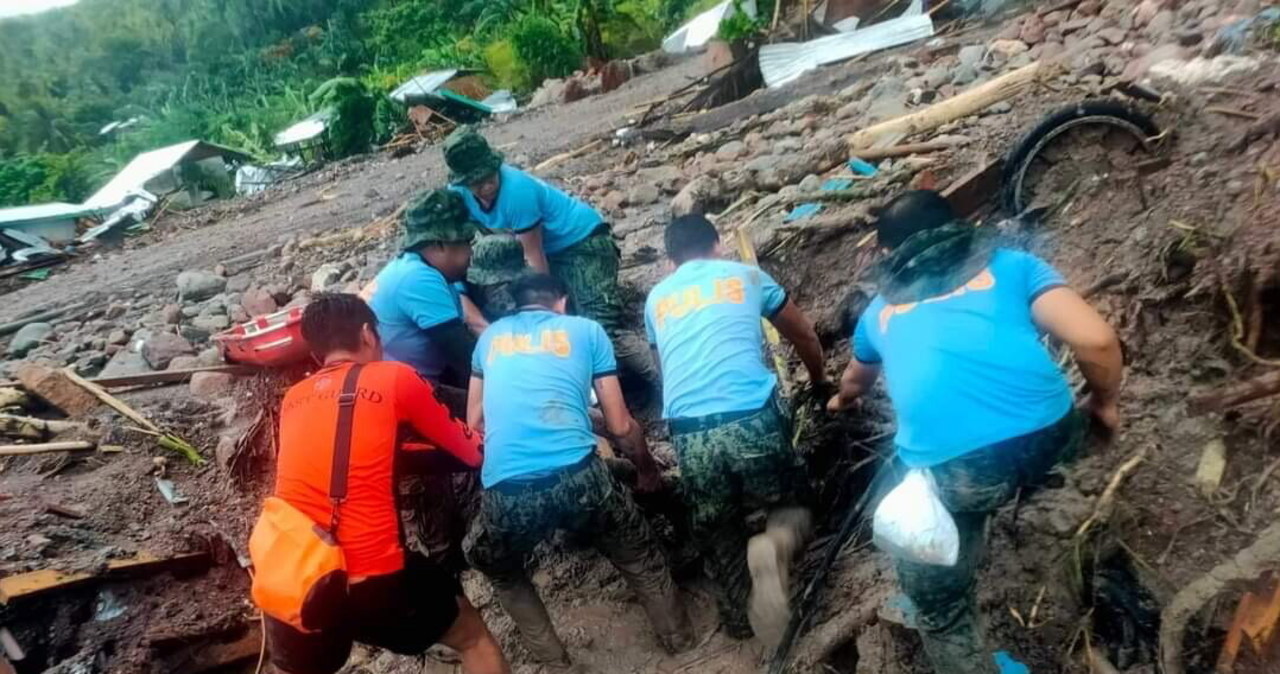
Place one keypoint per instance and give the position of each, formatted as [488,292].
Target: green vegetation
[236,72]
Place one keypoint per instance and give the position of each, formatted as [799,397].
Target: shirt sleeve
[428,300]
[863,349]
[603,363]
[417,403]
[1040,277]
[773,297]
[528,197]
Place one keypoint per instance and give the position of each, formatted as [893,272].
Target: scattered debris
[56,387]
[1213,463]
[786,61]
[170,491]
[45,447]
[23,586]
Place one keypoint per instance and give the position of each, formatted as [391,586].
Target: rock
[54,387]
[667,178]
[613,75]
[191,311]
[1189,38]
[213,324]
[643,194]
[1009,48]
[1139,68]
[1000,108]
[116,310]
[90,363]
[239,283]
[1054,18]
[1050,51]
[161,348]
[937,76]
[550,93]
[171,314]
[1160,25]
[118,337]
[1033,30]
[849,110]
[964,75]
[1089,8]
[211,385]
[193,333]
[258,301]
[1011,30]
[210,357]
[972,55]
[225,452]
[125,362]
[697,197]
[811,183]
[613,201]
[1112,35]
[327,275]
[184,363]
[197,286]
[29,337]
[732,150]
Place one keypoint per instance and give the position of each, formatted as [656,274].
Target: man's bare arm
[1065,315]
[857,379]
[472,316]
[475,404]
[798,329]
[534,254]
[627,433]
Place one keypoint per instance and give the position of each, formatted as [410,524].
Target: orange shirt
[389,394]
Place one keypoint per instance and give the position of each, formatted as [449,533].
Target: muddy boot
[769,557]
[520,600]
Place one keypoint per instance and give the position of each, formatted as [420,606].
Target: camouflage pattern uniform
[588,503]
[973,486]
[732,465]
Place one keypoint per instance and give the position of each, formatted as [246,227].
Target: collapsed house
[188,174]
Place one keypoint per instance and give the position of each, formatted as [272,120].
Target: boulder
[212,323]
[732,150]
[697,197]
[211,385]
[125,362]
[613,201]
[613,75]
[325,276]
[184,363]
[159,349]
[1009,48]
[171,314]
[258,301]
[118,337]
[54,387]
[197,286]
[29,337]
[1033,30]
[643,194]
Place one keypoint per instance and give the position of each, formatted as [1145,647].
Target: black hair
[910,213]
[332,322]
[543,289]
[690,236]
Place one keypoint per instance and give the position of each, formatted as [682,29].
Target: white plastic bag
[912,524]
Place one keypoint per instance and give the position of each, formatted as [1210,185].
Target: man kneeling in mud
[980,401]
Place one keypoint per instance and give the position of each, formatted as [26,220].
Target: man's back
[538,368]
[968,368]
[388,394]
[704,320]
[524,201]
[410,297]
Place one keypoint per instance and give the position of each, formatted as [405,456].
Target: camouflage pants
[728,472]
[590,269]
[588,503]
[972,487]
[438,497]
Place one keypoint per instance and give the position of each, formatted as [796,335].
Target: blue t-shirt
[525,201]
[705,322]
[967,369]
[538,369]
[410,297]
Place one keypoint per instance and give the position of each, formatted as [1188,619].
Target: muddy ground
[1158,247]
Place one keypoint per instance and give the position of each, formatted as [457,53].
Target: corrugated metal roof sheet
[50,211]
[422,85]
[784,62]
[699,31]
[148,165]
[305,130]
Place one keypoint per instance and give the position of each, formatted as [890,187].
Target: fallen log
[566,156]
[35,583]
[1247,565]
[961,105]
[30,428]
[903,150]
[111,401]
[1236,394]
[45,448]
[824,640]
[168,376]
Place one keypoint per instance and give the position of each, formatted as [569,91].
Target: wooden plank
[45,448]
[168,376]
[115,403]
[972,190]
[35,583]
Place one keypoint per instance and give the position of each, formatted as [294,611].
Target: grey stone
[258,301]
[124,363]
[29,337]
[963,75]
[811,183]
[643,195]
[326,275]
[1112,35]
[972,55]
[937,76]
[210,357]
[215,323]
[697,196]
[171,314]
[211,385]
[163,347]
[197,286]
[732,150]
[184,363]
[239,283]
[91,363]
[194,333]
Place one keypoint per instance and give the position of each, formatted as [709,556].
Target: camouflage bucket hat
[469,157]
[438,216]
[495,259]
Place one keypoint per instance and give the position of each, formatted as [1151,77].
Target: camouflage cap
[437,216]
[469,156]
[496,258]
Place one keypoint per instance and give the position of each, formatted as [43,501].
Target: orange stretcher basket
[272,340]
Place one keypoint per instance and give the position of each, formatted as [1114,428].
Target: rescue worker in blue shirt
[532,378]
[730,431]
[980,401]
[561,235]
[415,296]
